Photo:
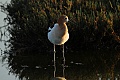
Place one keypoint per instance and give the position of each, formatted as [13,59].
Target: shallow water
[40,67]
[4,72]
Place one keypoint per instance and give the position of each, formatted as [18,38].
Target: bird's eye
[65,18]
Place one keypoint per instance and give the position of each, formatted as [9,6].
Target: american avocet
[58,35]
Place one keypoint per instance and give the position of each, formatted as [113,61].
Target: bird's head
[63,19]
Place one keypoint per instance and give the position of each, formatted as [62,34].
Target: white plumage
[59,33]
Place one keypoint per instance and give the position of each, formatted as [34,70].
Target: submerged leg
[63,61]
[54,61]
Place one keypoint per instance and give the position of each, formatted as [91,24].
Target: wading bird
[58,35]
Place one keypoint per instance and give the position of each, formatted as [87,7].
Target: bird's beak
[67,19]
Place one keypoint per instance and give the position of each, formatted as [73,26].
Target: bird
[58,35]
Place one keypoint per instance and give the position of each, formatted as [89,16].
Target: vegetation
[94,25]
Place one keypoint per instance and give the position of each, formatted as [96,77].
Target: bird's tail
[49,29]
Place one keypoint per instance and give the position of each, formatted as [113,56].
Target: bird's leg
[54,62]
[63,61]
[63,55]
[54,49]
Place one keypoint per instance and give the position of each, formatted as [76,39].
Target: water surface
[82,65]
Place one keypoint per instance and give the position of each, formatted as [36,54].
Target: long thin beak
[67,19]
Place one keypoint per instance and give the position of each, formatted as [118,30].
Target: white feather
[49,29]
[55,37]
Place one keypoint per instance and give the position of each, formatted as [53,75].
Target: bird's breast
[62,32]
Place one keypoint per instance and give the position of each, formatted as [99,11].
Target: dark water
[84,65]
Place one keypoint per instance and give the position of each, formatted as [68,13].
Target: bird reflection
[37,67]
[40,67]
